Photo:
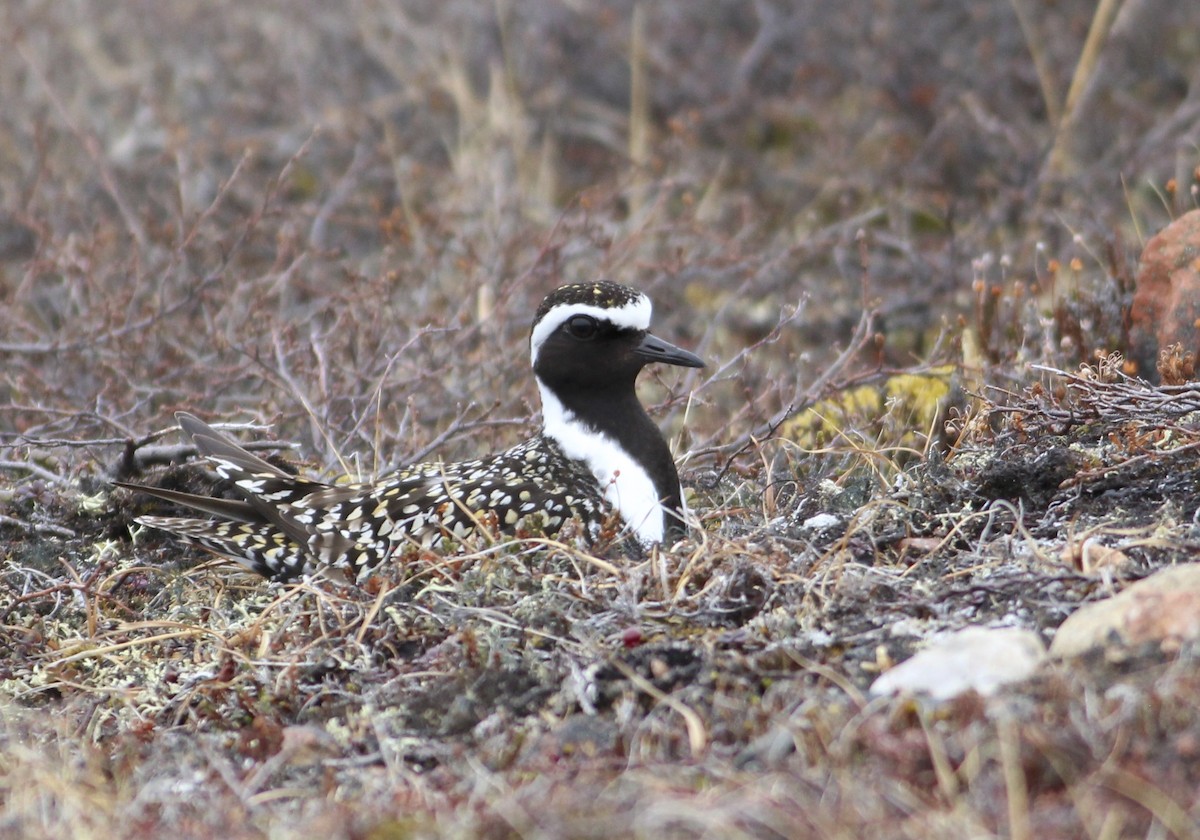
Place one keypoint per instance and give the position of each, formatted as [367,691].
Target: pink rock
[1166,300]
[1163,608]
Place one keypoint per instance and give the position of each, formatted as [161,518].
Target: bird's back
[290,526]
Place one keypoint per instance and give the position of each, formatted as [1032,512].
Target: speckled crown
[605,294]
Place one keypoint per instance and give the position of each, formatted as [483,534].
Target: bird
[598,458]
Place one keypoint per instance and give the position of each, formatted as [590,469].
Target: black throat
[617,413]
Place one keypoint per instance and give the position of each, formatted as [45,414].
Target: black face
[586,352]
[590,352]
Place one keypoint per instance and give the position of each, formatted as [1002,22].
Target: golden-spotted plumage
[290,526]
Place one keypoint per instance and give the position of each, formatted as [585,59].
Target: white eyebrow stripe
[634,315]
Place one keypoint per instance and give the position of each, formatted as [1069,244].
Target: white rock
[976,658]
[820,522]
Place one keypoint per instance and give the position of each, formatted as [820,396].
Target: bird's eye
[583,327]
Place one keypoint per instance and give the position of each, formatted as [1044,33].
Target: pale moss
[94,504]
[340,732]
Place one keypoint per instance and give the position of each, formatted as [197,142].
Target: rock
[820,522]
[978,658]
[1166,298]
[1164,608]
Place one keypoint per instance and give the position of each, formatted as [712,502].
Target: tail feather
[252,531]
[259,548]
[236,510]
[264,485]
[217,447]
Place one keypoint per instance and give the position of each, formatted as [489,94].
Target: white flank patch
[634,315]
[627,486]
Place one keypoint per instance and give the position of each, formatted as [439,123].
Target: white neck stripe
[634,315]
[625,483]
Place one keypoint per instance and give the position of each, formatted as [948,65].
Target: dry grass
[334,223]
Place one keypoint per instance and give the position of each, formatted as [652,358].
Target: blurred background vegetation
[340,217]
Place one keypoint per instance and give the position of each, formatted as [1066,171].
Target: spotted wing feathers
[287,526]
